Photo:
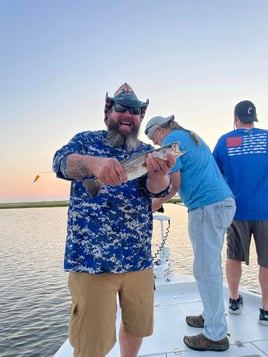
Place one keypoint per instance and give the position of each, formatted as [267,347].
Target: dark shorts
[239,238]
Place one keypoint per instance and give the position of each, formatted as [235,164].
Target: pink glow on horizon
[46,188]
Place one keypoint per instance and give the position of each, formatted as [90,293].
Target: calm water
[34,300]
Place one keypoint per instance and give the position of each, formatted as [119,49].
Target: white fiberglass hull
[179,297]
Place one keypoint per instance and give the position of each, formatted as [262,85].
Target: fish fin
[180,153]
[92,187]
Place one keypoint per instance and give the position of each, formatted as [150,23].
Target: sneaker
[201,343]
[235,306]
[195,321]
[263,317]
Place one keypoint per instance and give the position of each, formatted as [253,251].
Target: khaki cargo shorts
[95,297]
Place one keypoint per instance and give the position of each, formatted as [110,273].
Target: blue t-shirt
[112,232]
[242,156]
[201,180]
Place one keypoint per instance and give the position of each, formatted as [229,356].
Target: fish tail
[92,187]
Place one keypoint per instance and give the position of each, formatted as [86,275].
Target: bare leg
[129,345]
[263,279]
[233,275]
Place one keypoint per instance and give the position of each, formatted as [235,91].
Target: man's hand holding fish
[157,170]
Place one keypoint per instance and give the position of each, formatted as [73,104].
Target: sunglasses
[122,109]
[150,132]
[149,127]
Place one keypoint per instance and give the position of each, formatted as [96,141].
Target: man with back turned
[242,156]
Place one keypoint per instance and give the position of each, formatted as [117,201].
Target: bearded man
[108,244]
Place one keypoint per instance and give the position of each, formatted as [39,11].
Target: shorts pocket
[73,326]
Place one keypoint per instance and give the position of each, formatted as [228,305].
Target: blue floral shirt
[112,232]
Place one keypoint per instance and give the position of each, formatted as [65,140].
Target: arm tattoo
[77,168]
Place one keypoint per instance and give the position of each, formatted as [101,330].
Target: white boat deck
[178,298]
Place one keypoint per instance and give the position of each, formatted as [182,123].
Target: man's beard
[117,139]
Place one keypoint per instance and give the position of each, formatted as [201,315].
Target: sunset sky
[58,58]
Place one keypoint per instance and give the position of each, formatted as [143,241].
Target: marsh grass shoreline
[34,204]
[54,204]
